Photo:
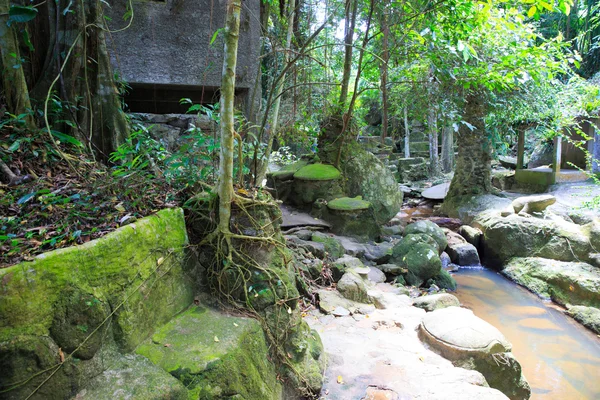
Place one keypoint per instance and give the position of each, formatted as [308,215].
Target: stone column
[521,148]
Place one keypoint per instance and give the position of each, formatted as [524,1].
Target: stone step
[213,353]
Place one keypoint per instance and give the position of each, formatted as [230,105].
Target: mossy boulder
[287,172]
[352,217]
[444,280]
[353,287]
[526,236]
[133,377]
[431,229]
[587,316]
[419,255]
[343,264]
[216,356]
[317,172]
[567,283]
[366,176]
[317,181]
[333,246]
[149,254]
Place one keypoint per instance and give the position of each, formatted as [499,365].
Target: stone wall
[167,49]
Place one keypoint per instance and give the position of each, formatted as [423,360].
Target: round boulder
[431,229]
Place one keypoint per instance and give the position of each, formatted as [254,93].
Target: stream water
[560,358]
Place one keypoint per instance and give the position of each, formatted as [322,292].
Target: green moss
[332,246]
[431,229]
[348,204]
[109,269]
[444,280]
[402,248]
[318,172]
[287,172]
[216,356]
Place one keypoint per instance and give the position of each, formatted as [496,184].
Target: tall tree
[349,26]
[225,185]
[385,59]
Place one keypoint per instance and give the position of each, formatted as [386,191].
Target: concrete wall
[167,48]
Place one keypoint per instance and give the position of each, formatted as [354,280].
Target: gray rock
[436,301]
[463,254]
[508,162]
[471,235]
[304,234]
[340,312]
[395,230]
[317,249]
[532,204]
[353,287]
[375,275]
[437,192]
[342,264]
[470,342]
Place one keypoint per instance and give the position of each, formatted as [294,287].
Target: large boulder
[430,229]
[316,181]
[412,169]
[215,355]
[460,252]
[420,258]
[533,204]
[470,342]
[366,176]
[343,264]
[543,155]
[471,235]
[567,283]
[352,217]
[526,236]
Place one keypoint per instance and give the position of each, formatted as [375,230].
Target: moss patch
[348,204]
[287,172]
[216,356]
[151,250]
[318,172]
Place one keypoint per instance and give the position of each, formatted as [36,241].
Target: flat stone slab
[292,218]
[459,329]
[437,192]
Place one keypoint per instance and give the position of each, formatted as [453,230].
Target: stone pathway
[379,356]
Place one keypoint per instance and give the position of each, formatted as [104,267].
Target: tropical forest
[299,199]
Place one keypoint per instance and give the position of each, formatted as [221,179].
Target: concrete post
[557,154]
[521,149]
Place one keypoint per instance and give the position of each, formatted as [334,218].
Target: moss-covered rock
[148,254]
[431,229]
[567,283]
[133,377]
[76,315]
[418,253]
[333,246]
[287,172]
[352,217]
[519,236]
[353,287]
[444,280]
[587,316]
[216,356]
[317,172]
[366,176]
[348,204]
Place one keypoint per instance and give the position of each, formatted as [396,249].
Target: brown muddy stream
[560,358]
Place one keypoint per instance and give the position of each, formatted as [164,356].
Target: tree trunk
[385,55]
[406,134]
[225,185]
[350,22]
[447,149]
[434,160]
[13,77]
[276,105]
[472,175]
[84,79]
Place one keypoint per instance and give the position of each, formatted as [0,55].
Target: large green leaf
[21,14]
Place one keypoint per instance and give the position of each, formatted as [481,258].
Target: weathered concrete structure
[166,54]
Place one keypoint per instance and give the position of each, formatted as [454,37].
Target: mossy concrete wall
[128,282]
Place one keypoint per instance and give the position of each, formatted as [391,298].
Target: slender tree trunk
[384,74]
[472,175]
[225,185]
[13,76]
[433,142]
[276,105]
[447,149]
[350,23]
[406,134]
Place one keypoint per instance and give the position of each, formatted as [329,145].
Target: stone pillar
[521,148]
[594,145]
[557,154]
